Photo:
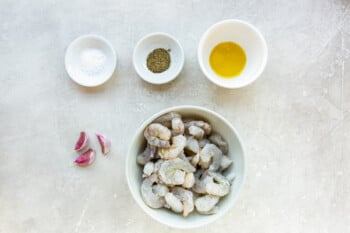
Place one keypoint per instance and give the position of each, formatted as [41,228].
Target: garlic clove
[105,143]
[82,142]
[86,158]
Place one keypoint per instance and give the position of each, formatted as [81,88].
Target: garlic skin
[82,142]
[86,158]
[104,142]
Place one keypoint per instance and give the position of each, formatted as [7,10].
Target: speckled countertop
[295,120]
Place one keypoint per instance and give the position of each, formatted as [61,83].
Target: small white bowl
[151,42]
[242,33]
[236,152]
[90,60]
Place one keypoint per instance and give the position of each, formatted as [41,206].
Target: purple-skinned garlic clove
[104,142]
[86,158]
[82,142]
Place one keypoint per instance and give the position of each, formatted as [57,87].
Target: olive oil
[227,59]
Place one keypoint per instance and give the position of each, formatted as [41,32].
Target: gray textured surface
[295,119]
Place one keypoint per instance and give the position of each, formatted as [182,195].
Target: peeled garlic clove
[105,143]
[86,158]
[82,141]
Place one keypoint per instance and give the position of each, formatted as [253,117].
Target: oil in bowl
[227,59]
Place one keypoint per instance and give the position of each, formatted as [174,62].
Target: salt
[92,62]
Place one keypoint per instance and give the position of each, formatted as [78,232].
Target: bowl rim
[104,41]
[141,129]
[168,36]
[229,21]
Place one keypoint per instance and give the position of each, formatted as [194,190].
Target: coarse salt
[92,62]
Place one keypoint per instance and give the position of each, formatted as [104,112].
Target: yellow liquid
[227,59]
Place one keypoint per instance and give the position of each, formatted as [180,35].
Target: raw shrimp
[177,126]
[220,185]
[192,146]
[195,160]
[167,118]
[186,198]
[148,169]
[172,120]
[201,124]
[146,155]
[157,135]
[183,165]
[149,197]
[157,166]
[189,180]
[214,210]
[196,132]
[206,204]
[173,203]
[220,142]
[210,157]
[183,156]
[199,173]
[225,162]
[201,181]
[203,142]
[179,143]
[160,190]
[172,172]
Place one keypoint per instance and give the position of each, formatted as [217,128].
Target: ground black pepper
[158,60]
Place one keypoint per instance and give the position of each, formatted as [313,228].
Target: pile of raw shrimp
[183,165]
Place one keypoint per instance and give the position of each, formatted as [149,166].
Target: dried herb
[158,60]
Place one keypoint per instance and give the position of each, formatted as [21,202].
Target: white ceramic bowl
[153,41]
[242,33]
[90,60]
[236,152]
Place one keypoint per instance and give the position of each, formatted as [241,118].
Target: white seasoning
[92,62]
